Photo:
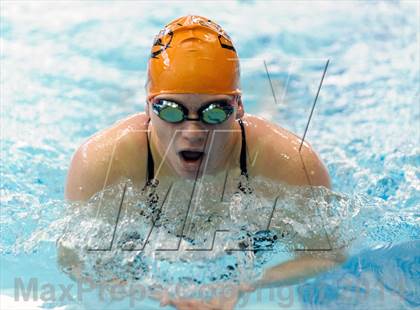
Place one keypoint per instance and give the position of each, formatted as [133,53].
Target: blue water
[70,69]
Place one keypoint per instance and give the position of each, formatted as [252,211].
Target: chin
[188,172]
[191,173]
[187,175]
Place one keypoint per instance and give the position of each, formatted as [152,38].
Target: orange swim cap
[192,54]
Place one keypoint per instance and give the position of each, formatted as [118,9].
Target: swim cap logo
[164,38]
[225,43]
[161,43]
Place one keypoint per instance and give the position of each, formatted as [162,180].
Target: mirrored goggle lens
[214,116]
[171,114]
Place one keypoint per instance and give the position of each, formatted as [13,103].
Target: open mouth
[191,156]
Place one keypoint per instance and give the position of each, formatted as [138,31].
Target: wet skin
[120,151]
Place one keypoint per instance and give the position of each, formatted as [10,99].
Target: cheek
[222,137]
[164,133]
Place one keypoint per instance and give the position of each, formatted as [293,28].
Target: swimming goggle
[213,113]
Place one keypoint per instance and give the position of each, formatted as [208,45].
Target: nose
[194,133]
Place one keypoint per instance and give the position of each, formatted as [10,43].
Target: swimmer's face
[194,145]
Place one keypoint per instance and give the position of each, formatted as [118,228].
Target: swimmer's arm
[285,161]
[306,264]
[301,268]
[85,177]
[107,157]
[69,262]
[98,163]
[314,170]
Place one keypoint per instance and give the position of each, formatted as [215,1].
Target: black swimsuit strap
[152,199]
[242,159]
[244,185]
[150,162]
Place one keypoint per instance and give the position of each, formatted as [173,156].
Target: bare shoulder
[275,153]
[107,156]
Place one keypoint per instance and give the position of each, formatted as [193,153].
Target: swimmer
[194,114]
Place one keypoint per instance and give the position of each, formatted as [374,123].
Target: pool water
[70,69]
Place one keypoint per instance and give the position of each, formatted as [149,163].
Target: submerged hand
[226,301]
[194,304]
